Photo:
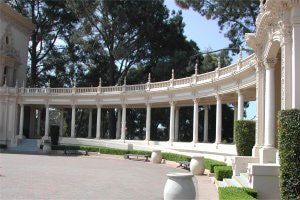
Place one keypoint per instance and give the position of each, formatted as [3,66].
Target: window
[7,40]
[4,75]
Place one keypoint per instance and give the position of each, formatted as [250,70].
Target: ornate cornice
[19,19]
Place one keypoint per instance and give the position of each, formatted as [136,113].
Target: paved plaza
[87,177]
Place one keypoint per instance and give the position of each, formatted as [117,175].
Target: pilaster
[98,124]
[195,121]
[218,119]
[123,129]
[90,123]
[73,122]
[172,120]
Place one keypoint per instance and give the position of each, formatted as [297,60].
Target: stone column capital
[218,97]
[270,63]
[172,102]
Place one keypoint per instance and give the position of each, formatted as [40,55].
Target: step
[245,175]
[242,180]
[231,182]
[220,184]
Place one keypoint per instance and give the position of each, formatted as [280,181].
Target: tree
[235,17]
[51,20]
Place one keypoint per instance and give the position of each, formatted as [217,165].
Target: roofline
[20,20]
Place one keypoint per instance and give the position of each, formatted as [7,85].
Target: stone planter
[197,165]
[47,148]
[156,156]
[179,186]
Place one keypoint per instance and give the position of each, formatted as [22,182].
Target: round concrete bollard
[197,165]
[47,148]
[156,156]
[179,186]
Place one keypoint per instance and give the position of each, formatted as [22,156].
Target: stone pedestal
[267,155]
[47,148]
[197,165]
[265,179]
[179,186]
[156,156]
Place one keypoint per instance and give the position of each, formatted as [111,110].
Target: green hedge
[244,136]
[175,157]
[222,172]
[210,164]
[103,150]
[230,193]
[289,152]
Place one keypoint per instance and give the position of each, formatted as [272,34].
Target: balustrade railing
[183,81]
[157,85]
[134,88]
[249,62]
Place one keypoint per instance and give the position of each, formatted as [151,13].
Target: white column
[73,122]
[118,131]
[47,121]
[38,126]
[240,106]
[176,137]
[123,129]
[295,55]
[205,139]
[235,111]
[1,75]
[270,105]
[268,152]
[172,115]
[148,122]
[90,123]
[21,121]
[218,119]
[61,123]
[98,124]
[195,122]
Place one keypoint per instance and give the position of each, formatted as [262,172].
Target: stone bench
[75,152]
[137,156]
[184,164]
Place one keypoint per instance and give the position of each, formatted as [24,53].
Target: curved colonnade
[231,84]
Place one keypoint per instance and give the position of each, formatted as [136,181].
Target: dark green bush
[54,134]
[222,172]
[231,193]
[244,136]
[3,146]
[289,152]
[175,157]
[210,164]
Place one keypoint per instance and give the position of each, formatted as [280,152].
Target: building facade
[269,76]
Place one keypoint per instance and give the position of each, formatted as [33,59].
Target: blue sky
[207,36]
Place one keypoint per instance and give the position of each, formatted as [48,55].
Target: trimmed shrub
[244,136]
[230,193]
[289,152]
[222,172]
[175,157]
[54,134]
[3,146]
[210,164]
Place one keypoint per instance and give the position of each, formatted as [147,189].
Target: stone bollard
[156,156]
[197,165]
[47,146]
[179,186]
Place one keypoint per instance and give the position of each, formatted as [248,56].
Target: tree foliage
[52,20]
[234,17]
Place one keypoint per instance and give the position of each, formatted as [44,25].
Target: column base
[46,138]
[267,155]
[21,137]
[255,151]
